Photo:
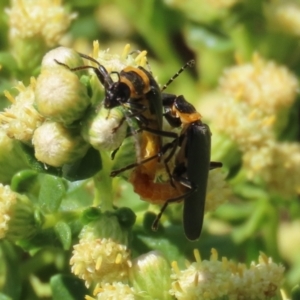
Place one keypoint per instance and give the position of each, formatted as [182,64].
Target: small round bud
[125,216]
[7,199]
[56,145]
[101,129]
[17,216]
[64,55]
[106,226]
[150,275]
[60,96]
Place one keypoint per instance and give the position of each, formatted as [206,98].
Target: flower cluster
[7,199]
[283,16]
[150,275]
[100,260]
[216,279]
[34,27]
[252,113]
[21,119]
[60,147]
[17,219]
[46,19]
[116,291]
[260,280]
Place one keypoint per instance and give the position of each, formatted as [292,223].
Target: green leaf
[4,297]
[63,232]
[9,272]
[208,37]
[8,62]
[252,225]
[42,239]
[84,168]
[126,154]
[67,287]
[91,214]
[51,193]
[37,165]
[24,181]
[296,292]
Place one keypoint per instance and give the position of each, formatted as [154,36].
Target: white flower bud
[98,129]
[64,55]
[56,145]
[60,96]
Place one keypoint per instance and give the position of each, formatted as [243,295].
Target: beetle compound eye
[110,100]
[123,93]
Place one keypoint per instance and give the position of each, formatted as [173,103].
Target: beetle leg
[164,149]
[114,130]
[136,112]
[185,182]
[215,165]
[163,208]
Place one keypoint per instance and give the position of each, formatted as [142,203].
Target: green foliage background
[171,35]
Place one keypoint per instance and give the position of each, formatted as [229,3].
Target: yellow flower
[225,279]
[114,291]
[218,191]
[207,279]
[46,19]
[283,15]
[261,84]
[21,118]
[100,261]
[245,125]
[7,199]
[259,95]
[278,164]
[261,281]
[115,62]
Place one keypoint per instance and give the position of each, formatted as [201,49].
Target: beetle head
[116,94]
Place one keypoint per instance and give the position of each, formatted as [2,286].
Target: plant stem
[103,185]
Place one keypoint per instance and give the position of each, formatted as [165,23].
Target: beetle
[148,110]
[192,164]
[191,170]
[136,90]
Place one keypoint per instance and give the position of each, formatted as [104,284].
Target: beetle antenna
[189,64]
[118,74]
[89,58]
